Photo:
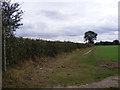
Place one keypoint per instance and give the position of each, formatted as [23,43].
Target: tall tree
[11,17]
[90,36]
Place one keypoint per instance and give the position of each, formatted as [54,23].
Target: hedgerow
[20,49]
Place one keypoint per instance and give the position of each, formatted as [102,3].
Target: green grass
[74,68]
[107,52]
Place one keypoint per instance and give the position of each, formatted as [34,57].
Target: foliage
[115,42]
[90,36]
[20,49]
[11,16]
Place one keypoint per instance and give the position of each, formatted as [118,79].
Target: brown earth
[109,64]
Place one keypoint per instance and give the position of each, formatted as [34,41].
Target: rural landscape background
[60,44]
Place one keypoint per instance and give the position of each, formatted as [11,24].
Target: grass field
[75,68]
[107,52]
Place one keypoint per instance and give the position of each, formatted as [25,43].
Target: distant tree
[90,36]
[116,42]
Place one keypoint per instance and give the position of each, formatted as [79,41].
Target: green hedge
[20,49]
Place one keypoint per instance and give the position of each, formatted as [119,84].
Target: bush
[20,49]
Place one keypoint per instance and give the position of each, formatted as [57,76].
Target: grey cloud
[52,14]
[65,31]
[41,26]
[75,21]
[27,26]
[47,35]
[105,29]
[39,35]
[36,26]
[30,29]
[80,30]
[72,31]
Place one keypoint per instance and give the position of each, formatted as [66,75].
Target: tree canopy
[116,42]
[90,36]
[11,17]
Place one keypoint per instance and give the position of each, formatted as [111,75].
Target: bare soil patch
[109,64]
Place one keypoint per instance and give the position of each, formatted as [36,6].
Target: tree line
[114,42]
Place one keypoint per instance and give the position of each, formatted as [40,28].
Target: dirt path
[88,51]
[108,82]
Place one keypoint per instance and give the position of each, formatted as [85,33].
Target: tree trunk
[4,51]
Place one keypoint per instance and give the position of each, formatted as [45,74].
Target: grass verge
[75,68]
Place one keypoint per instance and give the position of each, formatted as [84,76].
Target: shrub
[20,49]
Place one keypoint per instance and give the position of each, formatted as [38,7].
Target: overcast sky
[68,20]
